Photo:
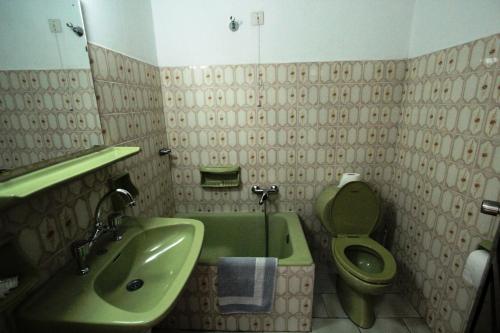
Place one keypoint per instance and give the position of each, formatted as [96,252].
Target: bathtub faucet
[264,192]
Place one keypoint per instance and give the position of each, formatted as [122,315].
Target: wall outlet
[55,26]
[258,18]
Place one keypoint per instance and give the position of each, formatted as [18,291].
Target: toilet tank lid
[354,209]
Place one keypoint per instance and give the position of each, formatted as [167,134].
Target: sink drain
[135,284]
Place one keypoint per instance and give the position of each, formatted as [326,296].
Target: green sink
[131,286]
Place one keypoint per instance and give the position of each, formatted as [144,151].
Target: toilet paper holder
[485,245]
[490,207]
[488,312]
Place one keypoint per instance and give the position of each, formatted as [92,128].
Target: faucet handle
[256,189]
[114,220]
[274,188]
[80,250]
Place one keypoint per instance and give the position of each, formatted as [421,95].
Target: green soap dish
[220,176]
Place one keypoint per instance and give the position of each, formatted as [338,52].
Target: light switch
[258,18]
[55,26]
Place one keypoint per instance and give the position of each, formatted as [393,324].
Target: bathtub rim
[301,255]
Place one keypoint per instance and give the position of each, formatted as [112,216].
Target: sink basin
[154,257]
[131,286]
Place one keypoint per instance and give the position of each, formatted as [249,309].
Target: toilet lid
[354,210]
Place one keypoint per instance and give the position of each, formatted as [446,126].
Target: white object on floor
[348,177]
[8,284]
[475,267]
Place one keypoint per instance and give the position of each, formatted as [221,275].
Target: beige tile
[333,325]
[416,325]
[387,325]
[393,305]
[333,306]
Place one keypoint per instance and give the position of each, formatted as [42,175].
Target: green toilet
[365,268]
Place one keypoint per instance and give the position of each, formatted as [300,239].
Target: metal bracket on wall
[490,207]
[76,29]
[485,314]
[164,151]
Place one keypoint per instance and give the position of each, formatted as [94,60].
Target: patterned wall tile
[423,132]
[298,125]
[130,107]
[46,114]
[446,164]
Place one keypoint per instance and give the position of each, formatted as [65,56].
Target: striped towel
[246,285]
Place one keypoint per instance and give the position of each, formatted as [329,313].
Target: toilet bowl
[365,268]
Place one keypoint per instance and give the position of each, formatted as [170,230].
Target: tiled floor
[394,313]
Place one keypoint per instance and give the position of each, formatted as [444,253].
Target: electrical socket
[55,26]
[257,18]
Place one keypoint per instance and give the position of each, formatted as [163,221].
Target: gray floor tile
[319,309]
[417,325]
[333,307]
[393,305]
[387,325]
[333,326]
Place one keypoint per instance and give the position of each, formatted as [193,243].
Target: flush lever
[490,207]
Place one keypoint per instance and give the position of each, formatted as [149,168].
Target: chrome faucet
[81,248]
[264,192]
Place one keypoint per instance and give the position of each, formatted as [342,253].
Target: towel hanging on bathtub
[246,285]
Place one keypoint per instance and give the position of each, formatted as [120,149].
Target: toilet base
[359,307]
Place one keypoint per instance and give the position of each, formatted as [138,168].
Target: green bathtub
[242,235]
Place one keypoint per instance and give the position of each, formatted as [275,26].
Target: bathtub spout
[263,198]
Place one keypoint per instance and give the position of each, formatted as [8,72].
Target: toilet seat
[388,272]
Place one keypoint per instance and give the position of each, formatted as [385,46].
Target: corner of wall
[155,35]
[412,30]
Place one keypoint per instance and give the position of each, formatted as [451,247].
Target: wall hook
[76,29]
[233,24]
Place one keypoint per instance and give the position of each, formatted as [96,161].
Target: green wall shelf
[220,176]
[25,185]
